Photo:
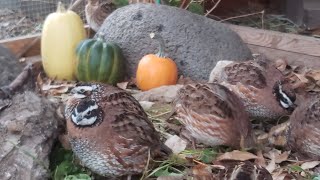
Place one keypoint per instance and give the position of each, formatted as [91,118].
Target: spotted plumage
[303,135]
[97,11]
[109,131]
[260,85]
[214,115]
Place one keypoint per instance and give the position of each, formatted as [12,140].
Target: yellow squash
[61,33]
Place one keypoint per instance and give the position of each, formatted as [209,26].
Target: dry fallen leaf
[146,105]
[309,165]
[314,74]
[302,78]
[47,86]
[176,144]
[39,81]
[281,64]
[123,85]
[237,155]
[260,160]
[276,157]
[278,176]
[282,157]
[272,164]
[59,90]
[202,172]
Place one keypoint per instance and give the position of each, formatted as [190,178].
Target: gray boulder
[10,66]
[28,129]
[195,42]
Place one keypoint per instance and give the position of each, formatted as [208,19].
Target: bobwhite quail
[109,131]
[97,11]
[242,170]
[303,134]
[214,115]
[260,85]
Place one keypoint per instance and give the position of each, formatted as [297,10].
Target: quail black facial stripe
[86,113]
[86,106]
[285,101]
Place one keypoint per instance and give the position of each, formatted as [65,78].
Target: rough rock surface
[10,66]
[195,42]
[28,129]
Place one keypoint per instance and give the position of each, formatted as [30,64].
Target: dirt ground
[14,23]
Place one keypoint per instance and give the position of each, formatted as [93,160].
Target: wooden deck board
[296,49]
[277,40]
[17,45]
[291,57]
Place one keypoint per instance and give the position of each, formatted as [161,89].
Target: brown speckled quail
[214,115]
[97,11]
[243,170]
[260,85]
[109,131]
[303,134]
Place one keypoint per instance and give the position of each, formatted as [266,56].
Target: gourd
[62,31]
[155,70]
[99,61]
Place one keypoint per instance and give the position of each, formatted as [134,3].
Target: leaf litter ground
[202,162]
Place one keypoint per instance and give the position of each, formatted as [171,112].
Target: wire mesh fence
[25,17]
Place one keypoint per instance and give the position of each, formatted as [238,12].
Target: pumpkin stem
[161,44]
[60,7]
[99,36]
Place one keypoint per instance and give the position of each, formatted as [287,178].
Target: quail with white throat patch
[109,131]
[260,85]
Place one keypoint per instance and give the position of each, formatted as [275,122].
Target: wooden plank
[17,45]
[277,40]
[291,57]
[294,48]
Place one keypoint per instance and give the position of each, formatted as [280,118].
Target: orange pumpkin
[155,70]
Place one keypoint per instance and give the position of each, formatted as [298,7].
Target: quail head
[260,85]
[214,115]
[109,131]
[97,11]
[303,135]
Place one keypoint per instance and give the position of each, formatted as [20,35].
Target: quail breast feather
[115,137]
[303,135]
[214,115]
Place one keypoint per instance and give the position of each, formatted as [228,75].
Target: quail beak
[78,96]
[78,119]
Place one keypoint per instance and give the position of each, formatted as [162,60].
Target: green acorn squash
[99,61]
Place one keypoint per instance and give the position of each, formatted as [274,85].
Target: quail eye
[284,100]
[89,113]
